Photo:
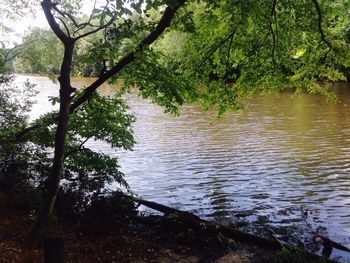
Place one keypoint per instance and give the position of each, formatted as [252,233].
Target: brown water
[282,153]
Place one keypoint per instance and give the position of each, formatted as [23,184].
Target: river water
[285,157]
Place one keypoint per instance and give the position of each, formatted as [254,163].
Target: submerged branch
[203,225]
[199,223]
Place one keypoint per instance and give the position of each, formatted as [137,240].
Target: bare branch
[65,14]
[65,26]
[8,57]
[88,23]
[97,29]
[47,5]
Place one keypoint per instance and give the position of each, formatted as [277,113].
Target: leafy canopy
[215,53]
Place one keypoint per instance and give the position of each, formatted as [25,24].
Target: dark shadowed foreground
[100,236]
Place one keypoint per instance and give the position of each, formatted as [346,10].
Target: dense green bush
[15,156]
[26,161]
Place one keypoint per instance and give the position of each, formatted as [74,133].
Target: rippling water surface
[282,153]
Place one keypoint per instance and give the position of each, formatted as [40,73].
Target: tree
[108,16]
[15,103]
[264,46]
[256,45]
[30,58]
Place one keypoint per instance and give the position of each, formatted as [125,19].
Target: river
[285,157]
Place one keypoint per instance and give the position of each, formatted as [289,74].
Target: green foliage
[263,47]
[31,58]
[14,8]
[222,51]
[2,69]
[15,103]
[104,119]
[217,53]
[155,81]
[87,172]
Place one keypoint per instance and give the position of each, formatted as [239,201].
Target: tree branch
[96,30]
[163,24]
[65,14]
[228,66]
[47,5]
[273,14]
[65,26]
[77,149]
[319,24]
[7,56]
[88,23]
[21,134]
[217,47]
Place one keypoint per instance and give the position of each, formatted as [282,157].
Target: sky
[22,24]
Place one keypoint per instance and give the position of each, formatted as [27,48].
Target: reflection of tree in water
[220,202]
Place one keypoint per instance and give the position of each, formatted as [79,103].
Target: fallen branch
[198,223]
[328,244]
[194,222]
[274,237]
[332,244]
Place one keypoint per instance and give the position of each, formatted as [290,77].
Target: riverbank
[102,239]
[284,152]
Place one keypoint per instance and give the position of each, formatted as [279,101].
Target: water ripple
[283,152]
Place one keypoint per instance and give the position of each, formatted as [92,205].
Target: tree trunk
[61,133]
[65,100]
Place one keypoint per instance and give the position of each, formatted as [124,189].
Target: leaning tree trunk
[61,133]
[65,98]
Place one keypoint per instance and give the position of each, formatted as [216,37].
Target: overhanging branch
[163,24]
[319,24]
[8,56]
[222,42]
[65,14]
[273,15]
[78,149]
[65,26]
[98,28]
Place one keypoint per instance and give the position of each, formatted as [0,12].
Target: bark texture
[66,105]
[66,89]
